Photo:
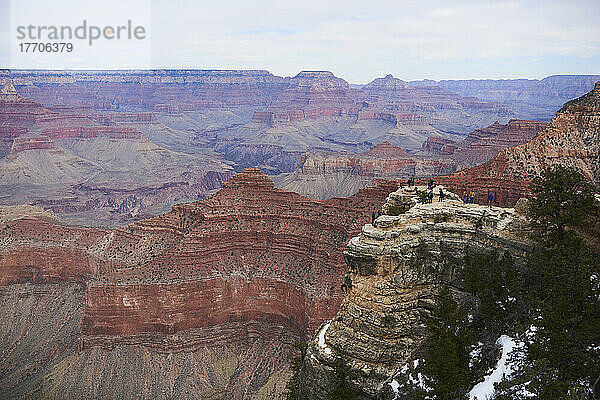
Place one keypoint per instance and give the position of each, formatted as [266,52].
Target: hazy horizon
[283,76]
[358,41]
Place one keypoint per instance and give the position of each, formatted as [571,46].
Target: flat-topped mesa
[250,177]
[309,95]
[385,149]
[397,266]
[318,79]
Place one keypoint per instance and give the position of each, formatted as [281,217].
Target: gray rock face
[396,268]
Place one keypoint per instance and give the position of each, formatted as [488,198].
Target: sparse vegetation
[397,209]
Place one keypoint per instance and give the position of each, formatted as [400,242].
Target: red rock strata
[250,252]
[37,249]
[570,140]
[482,145]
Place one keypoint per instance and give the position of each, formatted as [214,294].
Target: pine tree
[495,281]
[562,357]
[292,388]
[446,367]
[342,387]
[561,197]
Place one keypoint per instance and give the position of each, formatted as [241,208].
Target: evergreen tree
[561,197]
[342,387]
[446,368]
[292,388]
[562,357]
[496,283]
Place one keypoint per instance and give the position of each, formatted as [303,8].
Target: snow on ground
[485,390]
[322,343]
[395,385]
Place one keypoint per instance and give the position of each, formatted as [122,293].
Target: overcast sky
[357,40]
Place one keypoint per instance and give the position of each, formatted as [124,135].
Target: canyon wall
[236,277]
[571,139]
[534,99]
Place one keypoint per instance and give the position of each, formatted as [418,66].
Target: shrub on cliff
[397,210]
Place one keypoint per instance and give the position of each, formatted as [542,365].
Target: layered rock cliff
[529,98]
[571,139]
[68,161]
[396,268]
[483,144]
[218,289]
[324,175]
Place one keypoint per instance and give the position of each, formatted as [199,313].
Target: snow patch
[485,390]
[395,385]
[322,343]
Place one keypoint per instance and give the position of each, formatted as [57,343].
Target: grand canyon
[172,233]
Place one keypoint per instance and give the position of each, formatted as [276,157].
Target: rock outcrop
[482,145]
[396,268]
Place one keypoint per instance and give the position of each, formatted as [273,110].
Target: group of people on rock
[469,198]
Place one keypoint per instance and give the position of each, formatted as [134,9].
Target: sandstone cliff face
[396,267]
[248,232]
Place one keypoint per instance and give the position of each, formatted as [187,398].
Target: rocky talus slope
[202,302]
[396,268]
